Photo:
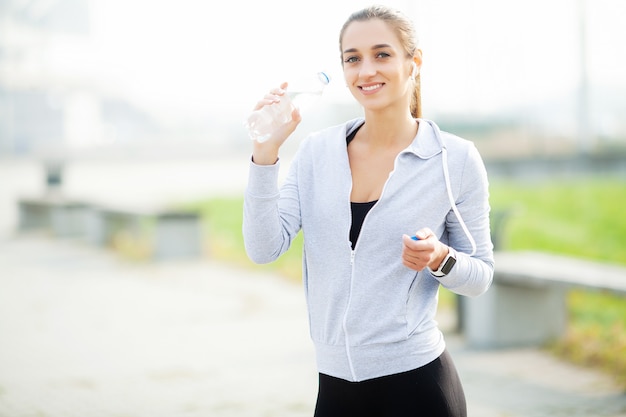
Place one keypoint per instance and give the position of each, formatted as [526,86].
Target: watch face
[447,267]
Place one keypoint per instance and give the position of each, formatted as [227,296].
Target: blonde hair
[403,26]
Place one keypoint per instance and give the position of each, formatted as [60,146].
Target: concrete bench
[526,305]
[61,216]
[172,234]
[168,233]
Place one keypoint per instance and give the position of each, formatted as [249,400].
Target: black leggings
[433,390]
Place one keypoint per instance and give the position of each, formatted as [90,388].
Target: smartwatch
[446,265]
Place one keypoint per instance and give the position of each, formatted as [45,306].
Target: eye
[350,59]
[382,55]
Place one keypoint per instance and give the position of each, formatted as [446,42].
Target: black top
[359,210]
[353,134]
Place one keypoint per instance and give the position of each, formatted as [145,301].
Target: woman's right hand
[266,153]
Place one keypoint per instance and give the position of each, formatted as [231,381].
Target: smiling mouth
[371,87]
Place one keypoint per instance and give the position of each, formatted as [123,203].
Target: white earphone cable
[444,159]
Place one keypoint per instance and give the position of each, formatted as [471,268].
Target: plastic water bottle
[261,123]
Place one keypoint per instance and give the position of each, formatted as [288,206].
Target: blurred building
[81,75]
[51,100]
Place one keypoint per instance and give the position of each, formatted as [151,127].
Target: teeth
[372,87]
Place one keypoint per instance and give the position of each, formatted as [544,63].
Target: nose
[368,68]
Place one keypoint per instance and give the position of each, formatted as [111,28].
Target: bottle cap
[323,77]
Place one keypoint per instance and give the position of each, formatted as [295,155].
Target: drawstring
[446,175]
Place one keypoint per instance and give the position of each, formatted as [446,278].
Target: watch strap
[446,265]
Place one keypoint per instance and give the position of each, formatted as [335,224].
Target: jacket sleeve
[271,216]
[472,275]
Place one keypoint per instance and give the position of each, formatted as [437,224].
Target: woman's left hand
[426,251]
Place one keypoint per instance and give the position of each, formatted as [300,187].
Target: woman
[390,208]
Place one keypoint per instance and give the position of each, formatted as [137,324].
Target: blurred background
[109,80]
[137,102]
[98,74]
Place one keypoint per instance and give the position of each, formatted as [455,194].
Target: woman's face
[375,65]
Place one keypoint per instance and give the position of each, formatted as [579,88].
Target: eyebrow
[378,46]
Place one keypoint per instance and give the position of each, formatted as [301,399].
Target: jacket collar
[427,142]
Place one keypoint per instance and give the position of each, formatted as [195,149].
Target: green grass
[582,218]
[223,222]
[585,219]
[596,335]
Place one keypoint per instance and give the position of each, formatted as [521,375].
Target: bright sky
[191,56]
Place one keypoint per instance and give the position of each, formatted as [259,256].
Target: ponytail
[416,100]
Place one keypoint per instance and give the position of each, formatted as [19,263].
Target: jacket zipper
[345,316]
[352,256]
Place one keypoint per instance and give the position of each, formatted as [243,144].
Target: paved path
[84,333]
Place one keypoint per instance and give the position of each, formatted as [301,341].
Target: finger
[412,253]
[413,243]
[260,104]
[409,240]
[419,258]
[270,98]
[413,263]
[296,117]
[277,91]
[409,264]
[424,233]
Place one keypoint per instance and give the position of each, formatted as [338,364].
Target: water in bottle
[261,123]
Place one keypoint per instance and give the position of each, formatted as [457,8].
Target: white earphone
[414,71]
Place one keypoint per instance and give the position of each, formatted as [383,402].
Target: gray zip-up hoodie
[370,315]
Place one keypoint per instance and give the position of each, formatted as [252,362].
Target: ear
[417,63]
